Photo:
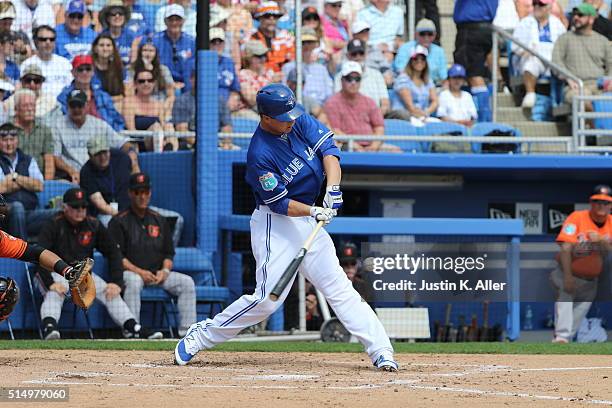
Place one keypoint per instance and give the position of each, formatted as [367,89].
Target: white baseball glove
[322,214]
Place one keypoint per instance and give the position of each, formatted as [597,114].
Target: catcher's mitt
[9,296]
[82,286]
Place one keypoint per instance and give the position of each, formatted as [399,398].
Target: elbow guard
[280,206]
[32,253]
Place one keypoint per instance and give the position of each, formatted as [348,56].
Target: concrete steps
[510,115]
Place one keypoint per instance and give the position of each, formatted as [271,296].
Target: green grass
[313,347]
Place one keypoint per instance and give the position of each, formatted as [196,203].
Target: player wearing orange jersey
[585,240]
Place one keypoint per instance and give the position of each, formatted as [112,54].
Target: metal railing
[580,133]
[496,33]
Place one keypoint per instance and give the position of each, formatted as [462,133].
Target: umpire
[74,236]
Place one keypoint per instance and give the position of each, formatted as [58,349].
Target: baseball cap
[174,10]
[309,34]
[31,69]
[97,144]
[6,86]
[268,7]
[77,97]
[349,67]
[216,33]
[586,9]
[332,1]
[310,12]
[254,47]
[601,192]
[8,129]
[355,46]
[138,181]
[75,197]
[456,71]
[82,60]
[419,50]
[76,7]
[218,14]
[425,25]
[8,11]
[347,253]
[359,26]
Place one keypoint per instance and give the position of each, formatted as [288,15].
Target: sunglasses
[357,54]
[216,41]
[32,79]
[76,16]
[263,56]
[601,202]
[146,81]
[267,16]
[336,5]
[352,79]
[578,14]
[350,263]
[45,39]
[142,191]
[427,34]
[116,13]
[84,68]
[78,207]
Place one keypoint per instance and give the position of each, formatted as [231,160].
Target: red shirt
[357,116]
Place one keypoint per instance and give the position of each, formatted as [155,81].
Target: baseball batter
[290,156]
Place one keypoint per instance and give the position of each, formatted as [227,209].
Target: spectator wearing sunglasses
[280,43]
[114,18]
[436,57]
[8,67]
[30,12]
[72,38]
[540,30]
[585,53]
[33,79]
[174,47]
[352,113]
[55,69]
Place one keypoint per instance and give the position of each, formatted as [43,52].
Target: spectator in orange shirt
[585,240]
[280,43]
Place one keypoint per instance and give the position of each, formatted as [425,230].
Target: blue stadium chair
[52,189]
[243,125]
[441,128]
[398,127]
[603,106]
[484,128]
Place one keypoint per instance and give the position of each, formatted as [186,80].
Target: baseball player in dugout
[351,264]
[585,240]
[290,156]
[74,235]
[145,241]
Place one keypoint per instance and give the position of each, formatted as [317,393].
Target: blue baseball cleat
[181,356]
[386,363]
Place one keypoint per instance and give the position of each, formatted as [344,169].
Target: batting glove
[322,214]
[333,197]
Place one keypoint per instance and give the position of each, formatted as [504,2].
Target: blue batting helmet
[278,102]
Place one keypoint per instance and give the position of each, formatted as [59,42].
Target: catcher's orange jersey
[11,247]
[587,261]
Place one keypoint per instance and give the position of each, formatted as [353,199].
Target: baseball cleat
[181,356]
[560,340]
[386,364]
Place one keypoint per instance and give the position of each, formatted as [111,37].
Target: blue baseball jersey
[290,166]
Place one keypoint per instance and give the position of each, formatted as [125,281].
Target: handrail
[561,70]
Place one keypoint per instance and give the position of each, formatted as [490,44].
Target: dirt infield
[221,379]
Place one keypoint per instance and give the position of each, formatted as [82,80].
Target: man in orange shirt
[279,42]
[11,247]
[585,240]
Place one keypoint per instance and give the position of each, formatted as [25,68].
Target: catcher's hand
[82,286]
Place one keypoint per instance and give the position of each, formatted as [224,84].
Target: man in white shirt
[456,105]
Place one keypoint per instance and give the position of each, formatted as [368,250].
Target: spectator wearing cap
[253,76]
[335,29]
[99,102]
[428,9]
[20,180]
[350,112]
[379,58]
[71,132]
[9,68]
[279,43]
[21,48]
[30,12]
[472,45]
[373,82]
[457,105]
[436,57]
[310,104]
[317,82]
[141,16]
[174,47]
[189,27]
[72,38]
[114,18]
[36,139]
[585,53]
[144,238]
[351,264]
[585,243]
[55,69]
[540,30]
[416,91]
[386,23]
[7,15]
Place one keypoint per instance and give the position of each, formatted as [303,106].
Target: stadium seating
[441,128]
[603,106]
[51,190]
[398,127]
[243,125]
[485,128]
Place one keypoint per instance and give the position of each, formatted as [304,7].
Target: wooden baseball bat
[291,270]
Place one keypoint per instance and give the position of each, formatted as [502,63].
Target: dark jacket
[29,199]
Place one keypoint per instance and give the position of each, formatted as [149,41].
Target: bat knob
[273,297]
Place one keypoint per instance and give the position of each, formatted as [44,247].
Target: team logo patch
[85,238]
[153,231]
[268,181]
[569,229]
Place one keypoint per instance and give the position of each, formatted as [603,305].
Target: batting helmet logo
[9,296]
